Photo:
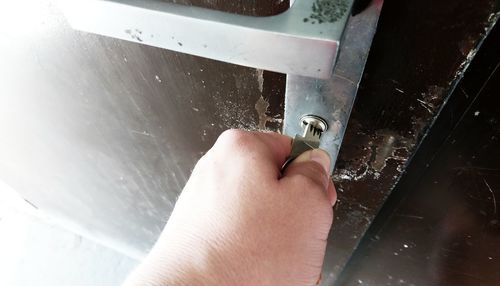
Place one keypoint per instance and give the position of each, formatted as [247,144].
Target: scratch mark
[493,196]
[30,203]
[345,78]
[425,105]
[363,207]
[474,99]
[399,90]
[411,216]
[465,168]
[142,133]
[463,91]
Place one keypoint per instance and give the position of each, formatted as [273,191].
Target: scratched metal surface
[442,224]
[419,53]
[102,134]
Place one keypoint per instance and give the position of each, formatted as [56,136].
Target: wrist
[171,264]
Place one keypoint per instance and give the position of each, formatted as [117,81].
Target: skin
[239,221]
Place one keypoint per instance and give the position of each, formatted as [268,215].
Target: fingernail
[321,156]
[318,156]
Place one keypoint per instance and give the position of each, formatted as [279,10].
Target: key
[313,127]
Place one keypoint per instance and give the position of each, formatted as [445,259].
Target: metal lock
[313,127]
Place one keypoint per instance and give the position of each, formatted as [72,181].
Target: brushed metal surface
[102,134]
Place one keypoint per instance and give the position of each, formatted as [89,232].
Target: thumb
[313,166]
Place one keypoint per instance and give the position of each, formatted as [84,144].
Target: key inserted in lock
[313,127]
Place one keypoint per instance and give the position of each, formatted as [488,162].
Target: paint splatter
[261,107]
[327,11]
[260,79]
[134,34]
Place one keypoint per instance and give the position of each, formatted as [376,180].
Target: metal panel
[101,134]
[441,225]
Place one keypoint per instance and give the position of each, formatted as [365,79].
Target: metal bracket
[332,99]
[302,42]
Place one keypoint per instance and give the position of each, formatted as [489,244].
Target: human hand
[239,221]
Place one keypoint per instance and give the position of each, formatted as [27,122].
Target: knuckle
[231,133]
[203,162]
[235,139]
[233,136]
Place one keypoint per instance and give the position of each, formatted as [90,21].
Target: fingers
[268,143]
[263,152]
[312,166]
[280,146]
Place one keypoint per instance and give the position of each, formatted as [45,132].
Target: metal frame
[332,99]
[293,42]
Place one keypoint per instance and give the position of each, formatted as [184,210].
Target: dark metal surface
[442,224]
[419,53]
[249,8]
